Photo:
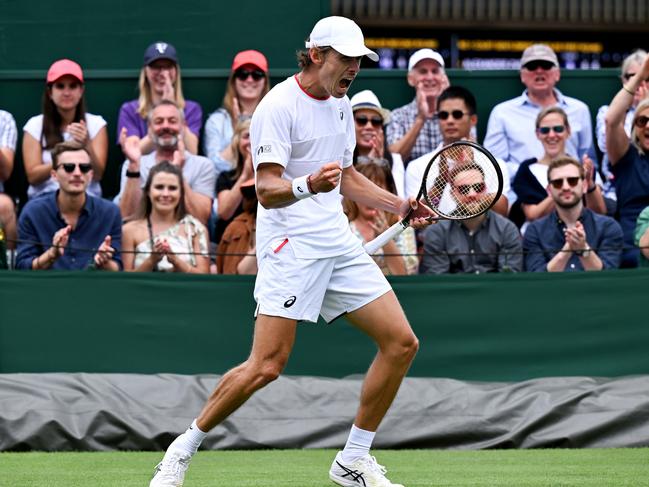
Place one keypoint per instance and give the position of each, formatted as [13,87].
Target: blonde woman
[159,80]
[247,85]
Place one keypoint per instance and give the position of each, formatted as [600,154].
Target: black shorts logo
[289,302]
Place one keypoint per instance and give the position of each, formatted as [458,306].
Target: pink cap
[250,57]
[63,67]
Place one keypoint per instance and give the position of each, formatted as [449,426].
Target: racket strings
[462,182]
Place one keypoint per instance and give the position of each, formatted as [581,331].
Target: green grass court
[624,467]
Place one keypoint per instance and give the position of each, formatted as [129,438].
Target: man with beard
[310,263]
[166,128]
[486,243]
[572,237]
[511,126]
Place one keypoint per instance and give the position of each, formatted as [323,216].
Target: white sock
[191,439]
[358,444]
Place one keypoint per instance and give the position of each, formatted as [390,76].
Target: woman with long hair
[629,156]
[398,256]
[228,184]
[64,118]
[159,79]
[370,119]
[165,237]
[531,180]
[247,84]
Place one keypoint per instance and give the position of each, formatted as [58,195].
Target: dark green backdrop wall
[504,327]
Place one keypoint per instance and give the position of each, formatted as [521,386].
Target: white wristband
[301,188]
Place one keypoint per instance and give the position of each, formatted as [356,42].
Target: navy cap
[160,50]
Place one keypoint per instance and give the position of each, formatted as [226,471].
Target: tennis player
[309,261]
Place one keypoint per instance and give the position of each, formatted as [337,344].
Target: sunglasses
[456,114]
[557,129]
[466,188]
[69,167]
[558,183]
[242,74]
[641,121]
[362,120]
[534,65]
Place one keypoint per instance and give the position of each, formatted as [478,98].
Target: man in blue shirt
[571,238]
[511,127]
[68,229]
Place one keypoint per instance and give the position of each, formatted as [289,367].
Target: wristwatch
[584,252]
[132,174]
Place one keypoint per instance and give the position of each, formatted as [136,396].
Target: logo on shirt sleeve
[263,149]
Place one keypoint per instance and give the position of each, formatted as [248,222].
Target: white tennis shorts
[301,289]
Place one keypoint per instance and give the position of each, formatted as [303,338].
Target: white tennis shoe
[364,472]
[170,472]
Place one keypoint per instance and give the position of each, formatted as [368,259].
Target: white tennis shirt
[302,133]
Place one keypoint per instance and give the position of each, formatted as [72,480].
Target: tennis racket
[461,181]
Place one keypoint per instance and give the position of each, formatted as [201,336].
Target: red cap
[63,67]
[250,57]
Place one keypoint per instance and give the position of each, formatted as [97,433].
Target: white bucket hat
[343,35]
[368,100]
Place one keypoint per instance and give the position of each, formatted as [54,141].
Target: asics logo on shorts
[290,301]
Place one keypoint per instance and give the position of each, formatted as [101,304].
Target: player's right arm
[273,191]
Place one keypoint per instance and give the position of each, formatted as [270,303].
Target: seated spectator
[456,113]
[247,85]
[630,67]
[228,184]
[486,243]
[371,145]
[69,229]
[511,123]
[414,130]
[398,256]
[159,80]
[642,236]
[166,133]
[236,253]
[64,117]
[628,158]
[531,180]
[571,237]
[165,237]
[8,136]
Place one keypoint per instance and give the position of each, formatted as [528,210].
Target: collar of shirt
[524,99]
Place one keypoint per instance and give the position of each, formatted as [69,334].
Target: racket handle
[374,245]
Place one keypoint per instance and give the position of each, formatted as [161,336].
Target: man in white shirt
[309,261]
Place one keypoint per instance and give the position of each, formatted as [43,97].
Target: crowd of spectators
[180,211]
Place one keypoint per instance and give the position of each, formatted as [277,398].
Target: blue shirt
[511,130]
[544,238]
[41,219]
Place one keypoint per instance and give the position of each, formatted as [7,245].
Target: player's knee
[271,370]
[404,349]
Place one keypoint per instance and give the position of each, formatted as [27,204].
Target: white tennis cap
[367,99]
[422,54]
[343,35]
